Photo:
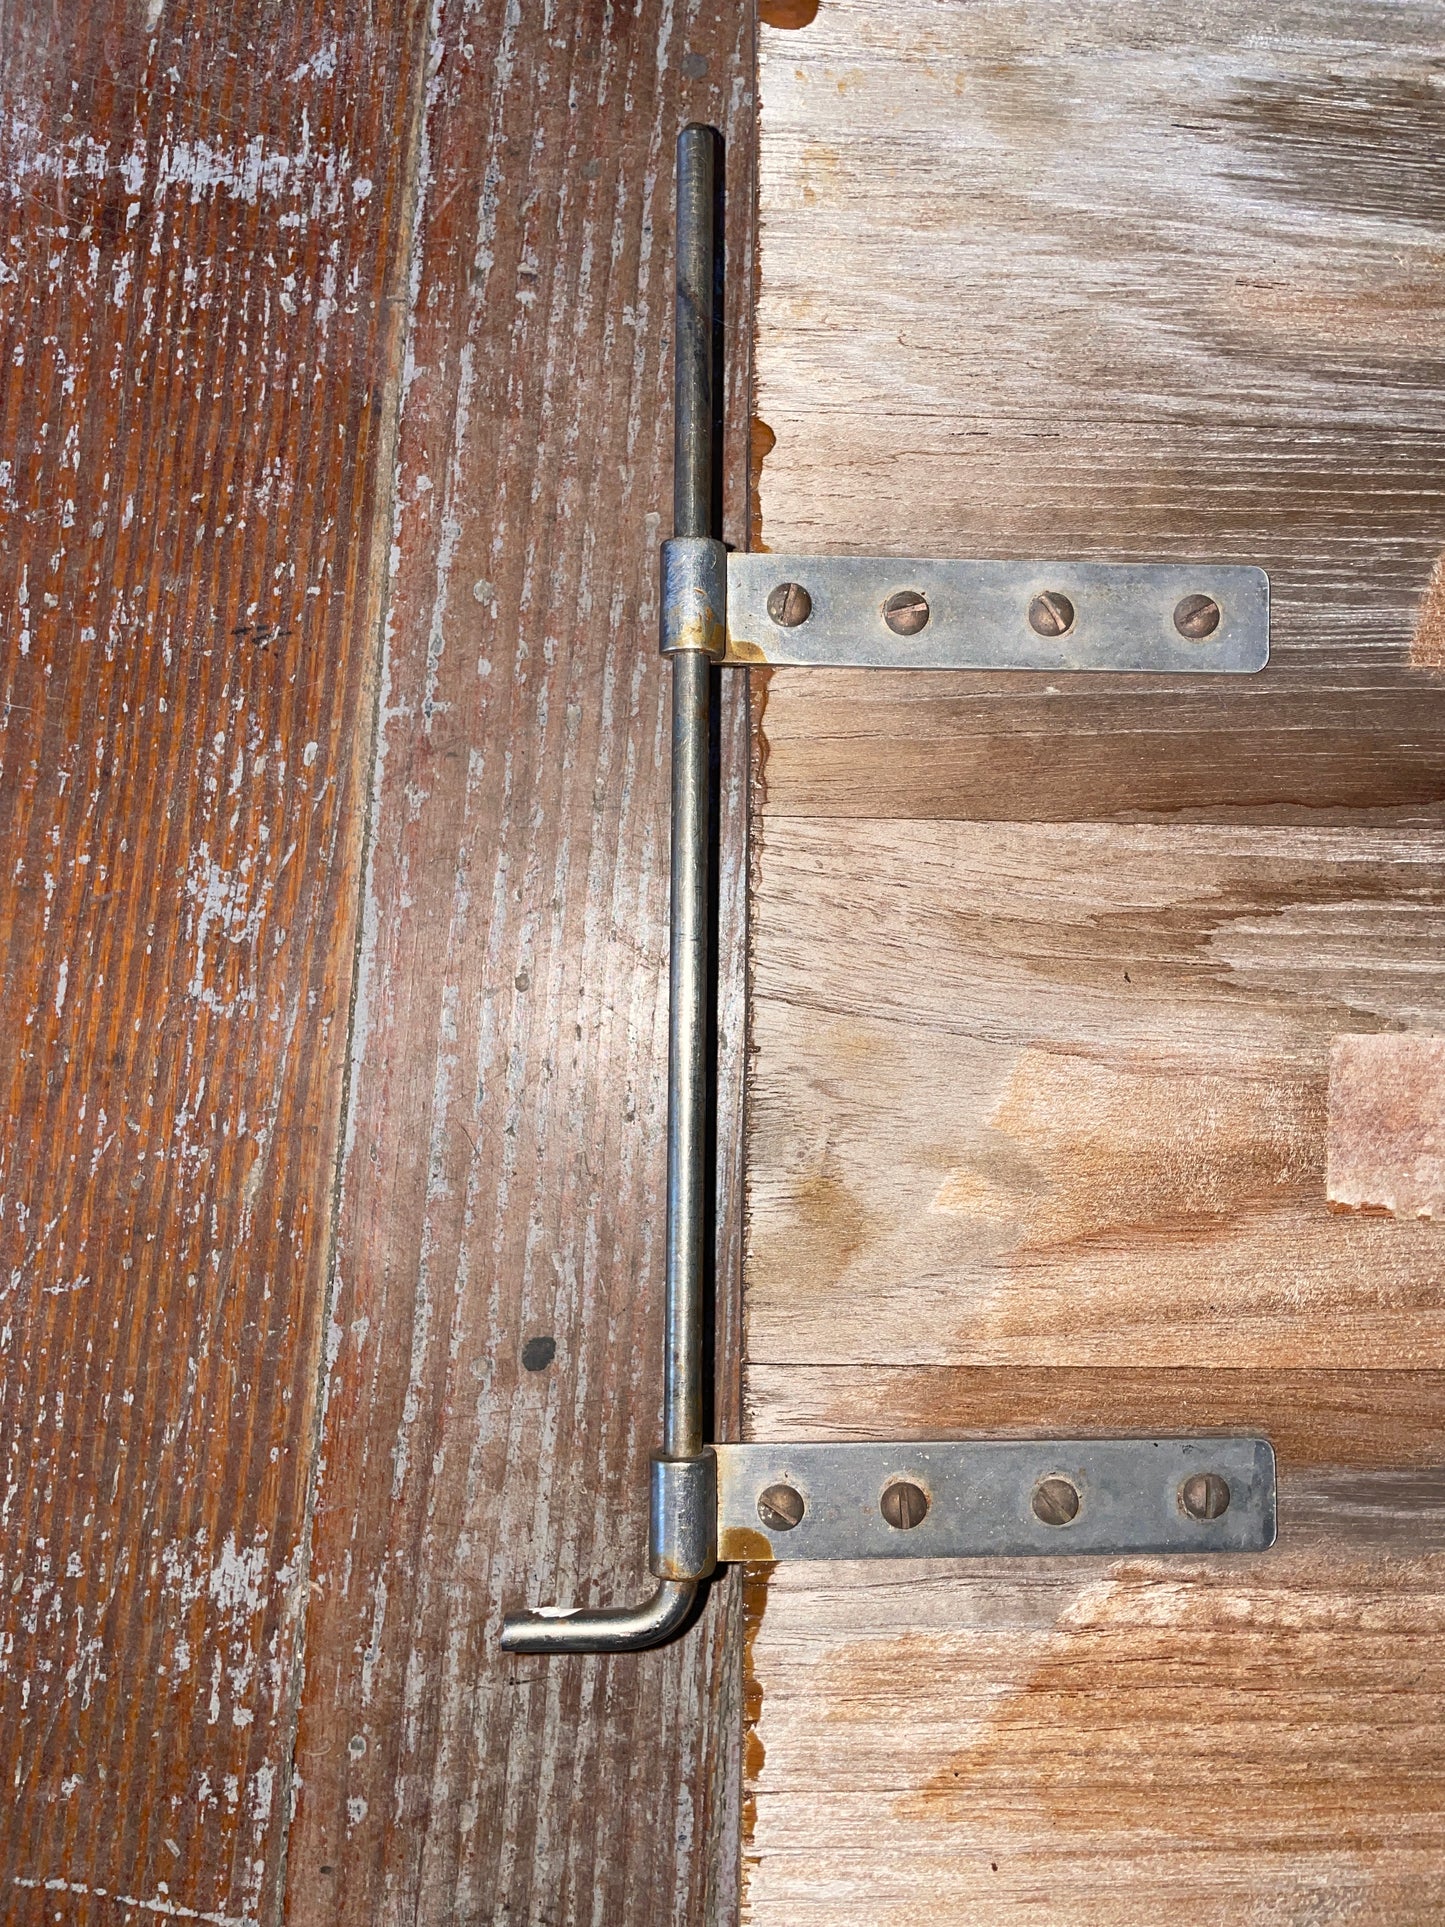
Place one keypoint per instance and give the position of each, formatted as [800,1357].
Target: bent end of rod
[613,1629]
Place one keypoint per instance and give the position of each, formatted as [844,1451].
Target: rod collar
[684,1517]
[694,596]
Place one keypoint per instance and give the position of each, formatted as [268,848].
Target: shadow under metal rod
[684,1484]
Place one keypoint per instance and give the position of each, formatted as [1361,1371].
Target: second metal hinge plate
[894,612]
[960,1498]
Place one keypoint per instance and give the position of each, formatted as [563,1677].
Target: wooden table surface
[334,450]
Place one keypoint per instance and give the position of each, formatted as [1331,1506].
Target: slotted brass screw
[904,1505]
[789,604]
[1205,1495]
[1056,1501]
[1051,614]
[780,1507]
[906,613]
[1196,617]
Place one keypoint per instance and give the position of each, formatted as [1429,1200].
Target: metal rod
[692,499]
[623,1629]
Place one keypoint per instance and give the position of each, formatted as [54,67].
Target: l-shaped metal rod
[684,1503]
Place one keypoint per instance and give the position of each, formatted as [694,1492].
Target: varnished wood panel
[205,228]
[1049,973]
[494,1392]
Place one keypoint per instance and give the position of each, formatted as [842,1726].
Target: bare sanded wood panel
[1100,1742]
[1109,280]
[1051,1122]
[494,1393]
[205,229]
[1057,1094]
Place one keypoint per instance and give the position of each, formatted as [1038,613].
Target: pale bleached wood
[1056,1094]
[1046,970]
[1103,280]
[1100,1744]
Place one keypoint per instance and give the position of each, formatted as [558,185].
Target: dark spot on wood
[538,1353]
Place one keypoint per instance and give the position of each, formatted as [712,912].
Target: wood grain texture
[1112,282]
[494,1393]
[1100,1742]
[1315,1418]
[1056,1094]
[205,230]
[1047,971]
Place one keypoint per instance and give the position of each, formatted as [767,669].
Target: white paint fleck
[160,1904]
[235,1581]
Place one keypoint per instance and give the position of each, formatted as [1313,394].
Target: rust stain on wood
[755,1606]
[1386,1143]
[761,444]
[833,1219]
[789,14]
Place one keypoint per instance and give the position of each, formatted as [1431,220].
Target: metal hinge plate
[894,612]
[960,1498]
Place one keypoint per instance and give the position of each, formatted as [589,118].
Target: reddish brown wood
[503,1178]
[205,222]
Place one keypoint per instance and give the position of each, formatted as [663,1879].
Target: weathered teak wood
[336,350]
[204,256]
[1050,1125]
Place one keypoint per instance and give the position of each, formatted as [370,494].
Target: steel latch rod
[684,1476]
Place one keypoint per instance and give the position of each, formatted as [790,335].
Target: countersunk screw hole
[1196,617]
[1205,1496]
[904,1505]
[1056,1501]
[906,613]
[780,1507]
[789,605]
[1051,614]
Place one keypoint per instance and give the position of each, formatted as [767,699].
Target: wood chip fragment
[1386,1140]
[1427,646]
